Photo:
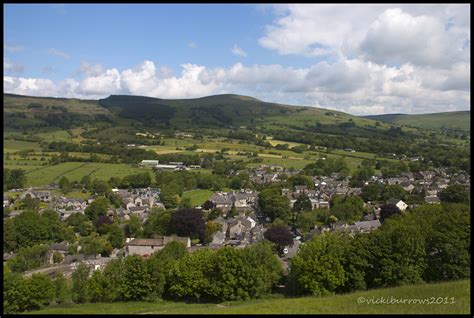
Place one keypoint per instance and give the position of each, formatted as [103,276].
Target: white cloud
[102,84]
[12,48]
[192,45]
[432,35]
[54,52]
[398,37]
[236,50]
[29,86]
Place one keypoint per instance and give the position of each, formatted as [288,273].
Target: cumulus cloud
[29,86]
[397,37]
[236,50]
[433,35]
[54,52]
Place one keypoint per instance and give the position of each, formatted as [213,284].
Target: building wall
[142,250]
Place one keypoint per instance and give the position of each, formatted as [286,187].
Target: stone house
[146,247]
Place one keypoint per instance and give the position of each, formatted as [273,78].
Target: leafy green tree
[137,284]
[95,244]
[299,179]
[372,192]
[76,219]
[318,268]
[16,296]
[274,205]
[97,287]
[100,187]
[398,255]
[303,203]
[60,288]
[79,284]
[169,198]
[116,236]
[158,223]
[355,261]
[41,290]
[454,193]
[160,265]
[305,221]
[448,244]
[347,208]
[30,204]
[134,227]
[97,208]
[188,277]
[30,229]
[394,191]
[9,235]
[361,176]
[87,182]
[14,179]
[65,185]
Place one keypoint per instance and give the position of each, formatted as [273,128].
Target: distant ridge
[457,120]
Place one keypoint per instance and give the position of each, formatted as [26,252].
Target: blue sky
[360,59]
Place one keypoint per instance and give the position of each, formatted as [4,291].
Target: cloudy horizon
[359,59]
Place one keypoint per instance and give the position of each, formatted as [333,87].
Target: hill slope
[460,120]
[457,291]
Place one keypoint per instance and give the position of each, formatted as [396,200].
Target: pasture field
[12,146]
[44,175]
[453,298]
[198,196]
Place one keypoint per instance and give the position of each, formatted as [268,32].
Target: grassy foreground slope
[458,291]
[449,120]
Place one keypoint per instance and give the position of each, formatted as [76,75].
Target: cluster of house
[138,202]
[237,231]
[242,200]
[135,202]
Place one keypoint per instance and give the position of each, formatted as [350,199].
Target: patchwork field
[455,294]
[44,175]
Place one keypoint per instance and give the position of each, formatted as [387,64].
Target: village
[241,221]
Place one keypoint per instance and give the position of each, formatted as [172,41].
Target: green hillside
[26,112]
[449,120]
[453,298]
[225,110]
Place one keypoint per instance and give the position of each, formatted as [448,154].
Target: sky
[357,58]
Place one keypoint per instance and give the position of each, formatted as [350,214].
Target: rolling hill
[217,111]
[460,120]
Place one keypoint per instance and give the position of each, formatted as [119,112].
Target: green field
[197,197]
[44,175]
[354,303]
[12,146]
